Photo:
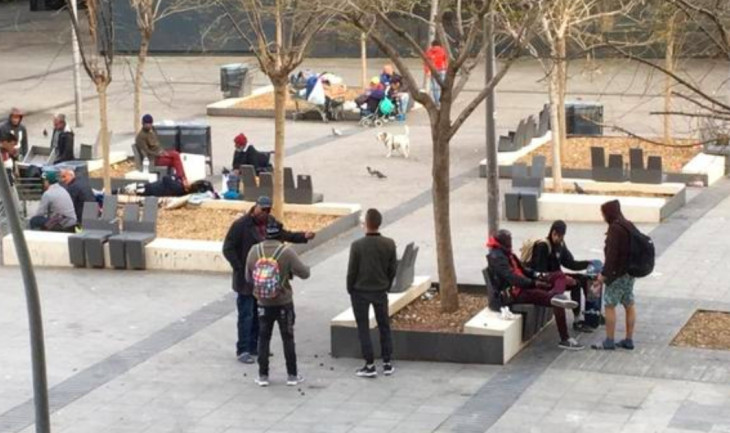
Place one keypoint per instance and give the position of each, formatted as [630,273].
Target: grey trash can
[236,80]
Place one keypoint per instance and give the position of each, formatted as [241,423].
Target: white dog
[396,142]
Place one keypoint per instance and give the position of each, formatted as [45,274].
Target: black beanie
[558,226]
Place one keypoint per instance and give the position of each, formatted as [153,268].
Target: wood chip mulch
[424,314]
[117,170]
[212,224]
[265,101]
[578,155]
[706,330]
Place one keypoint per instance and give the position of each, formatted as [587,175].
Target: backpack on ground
[528,250]
[266,273]
[641,252]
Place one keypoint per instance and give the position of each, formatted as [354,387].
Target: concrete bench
[87,247]
[127,249]
[396,301]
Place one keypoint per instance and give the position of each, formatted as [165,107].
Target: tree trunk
[491,138]
[668,81]
[553,92]
[101,89]
[364,59]
[441,208]
[562,88]
[431,36]
[280,89]
[138,77]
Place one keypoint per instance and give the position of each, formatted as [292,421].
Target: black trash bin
[236,80]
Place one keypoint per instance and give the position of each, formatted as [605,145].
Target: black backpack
[641,252]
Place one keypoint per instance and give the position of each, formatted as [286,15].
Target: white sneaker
[562,301]
[262,381]
[294,380]
[507,314]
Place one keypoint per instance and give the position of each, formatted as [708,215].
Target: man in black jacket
[244,233]
[15,126]
[552,255]
[78,189]
[62,140]
[370,273]
[517,284]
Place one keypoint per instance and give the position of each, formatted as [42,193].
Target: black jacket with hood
[501,273]
[64,149]
[618,242]
[19,131]
[547,257]
[244,233]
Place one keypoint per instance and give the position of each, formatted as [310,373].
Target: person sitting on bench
[517,284]
[246,154]
[148,145]
[551,255]
[56,211]
[78,189]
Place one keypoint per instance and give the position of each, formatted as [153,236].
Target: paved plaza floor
[150,352]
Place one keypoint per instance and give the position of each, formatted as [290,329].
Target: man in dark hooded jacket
[552,255]
[517,284]
[244,233]
[14,125]
[619,285]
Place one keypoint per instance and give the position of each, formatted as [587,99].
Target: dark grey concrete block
[505,144]
[520,139]
[405,272]
[529,204]
[512,206]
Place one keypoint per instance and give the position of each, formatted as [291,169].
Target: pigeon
[376,173]
[336,132]
[578,188]
[45,133]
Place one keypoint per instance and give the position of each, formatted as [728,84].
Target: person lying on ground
[167,186]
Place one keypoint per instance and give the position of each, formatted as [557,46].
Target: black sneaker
[581,326]
[367,371]
[570,344]
[388,368]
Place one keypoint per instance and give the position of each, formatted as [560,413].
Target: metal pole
[491,138]
[35,320]
[77,68]
[364,59]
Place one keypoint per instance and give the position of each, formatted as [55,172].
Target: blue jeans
[436,89]
[248,325]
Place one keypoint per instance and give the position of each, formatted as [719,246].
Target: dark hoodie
[244,233]
[505,268]
[547,257]
[618,242]
[18,131]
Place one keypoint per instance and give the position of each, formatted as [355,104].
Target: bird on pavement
[578,188]
[376,173]
[336,132]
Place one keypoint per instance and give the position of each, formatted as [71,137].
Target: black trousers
[578,290]
[284,316]
[361,302]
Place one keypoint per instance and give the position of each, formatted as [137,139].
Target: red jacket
[439,57]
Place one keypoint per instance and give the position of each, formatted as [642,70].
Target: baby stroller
[380,116]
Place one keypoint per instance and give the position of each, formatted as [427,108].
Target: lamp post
[491,132]
[33,302]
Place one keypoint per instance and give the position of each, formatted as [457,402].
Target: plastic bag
[317,97]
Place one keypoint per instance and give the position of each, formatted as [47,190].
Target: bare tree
[461,35]
[565,24]
[94,29]
[278,55]
[148,13]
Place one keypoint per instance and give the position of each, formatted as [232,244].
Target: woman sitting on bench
[517,284]
[246,154]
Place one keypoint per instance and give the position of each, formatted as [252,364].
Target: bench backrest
[29,188]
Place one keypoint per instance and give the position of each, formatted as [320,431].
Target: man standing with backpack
[244,233]
[629,254]
[270,266]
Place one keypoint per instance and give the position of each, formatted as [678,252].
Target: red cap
[240,140]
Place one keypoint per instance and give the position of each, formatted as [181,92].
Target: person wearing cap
[148,145]
[280,308]
[62,140]
[246,154]
[78,189]
[14,125]
[552,255]
[515,283]
[244,233]
[56,210]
